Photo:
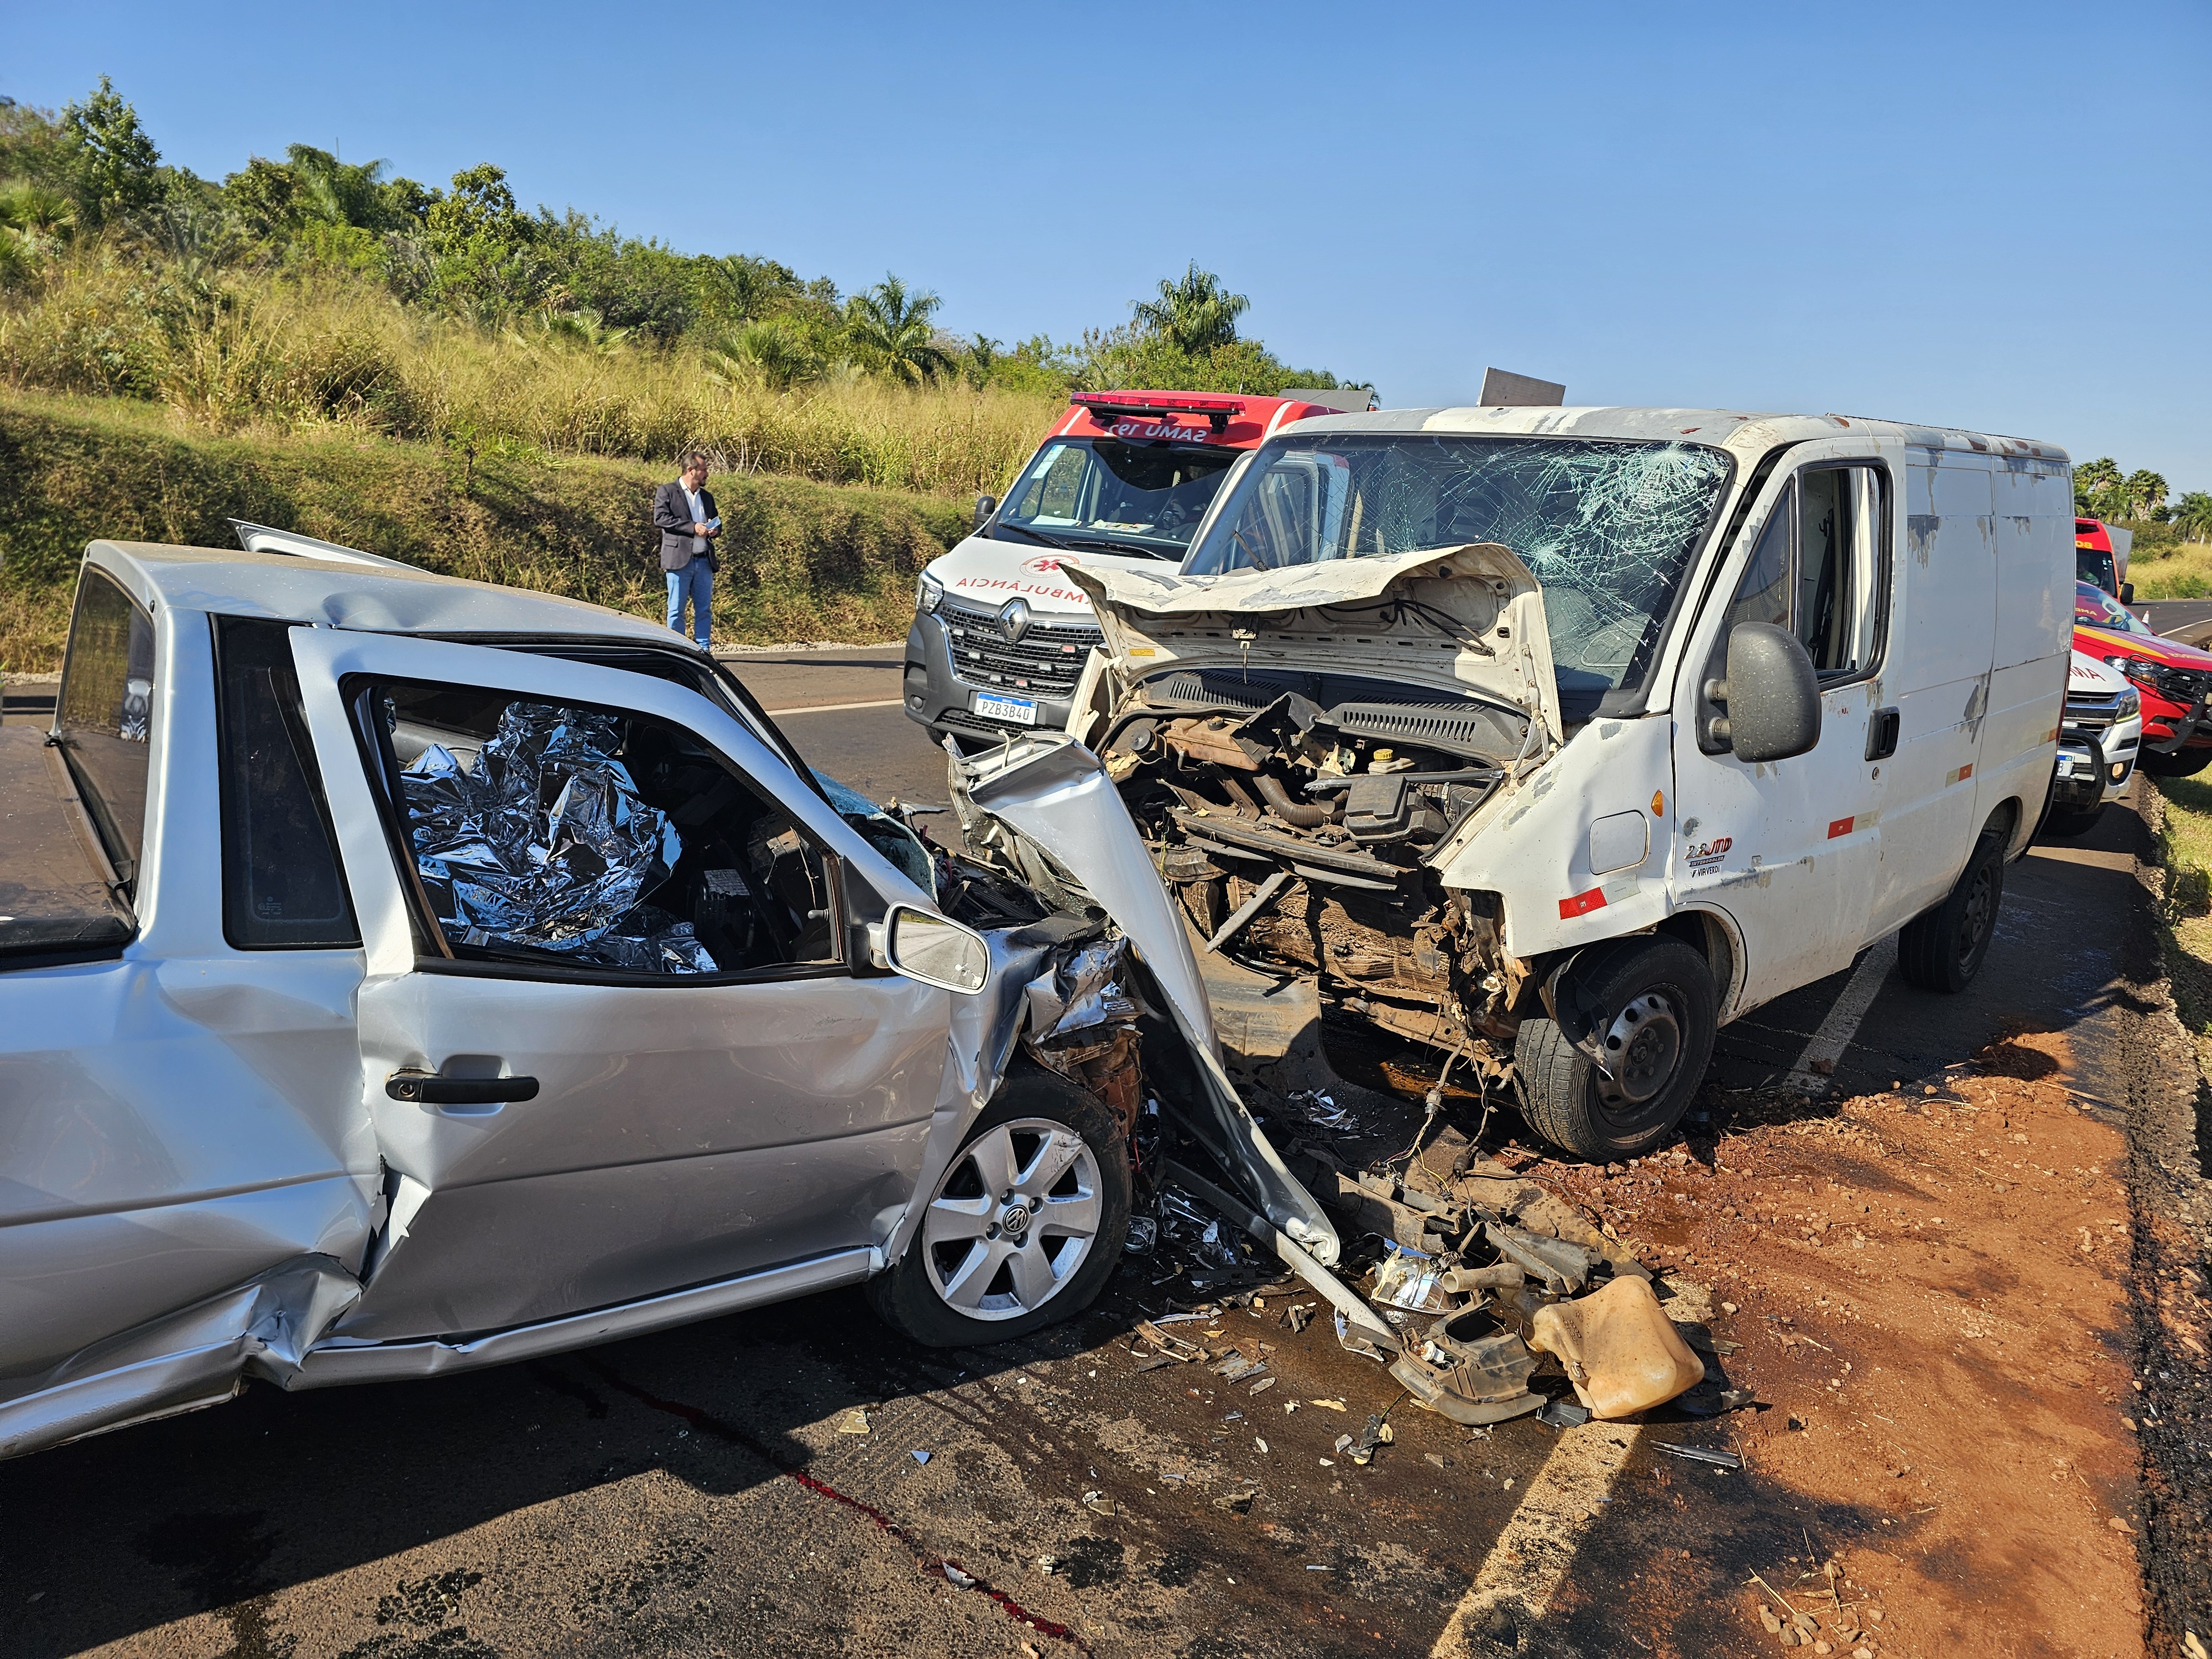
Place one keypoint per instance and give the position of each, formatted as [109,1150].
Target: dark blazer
[671,516]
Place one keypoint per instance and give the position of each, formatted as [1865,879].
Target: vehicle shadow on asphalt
[219,1509]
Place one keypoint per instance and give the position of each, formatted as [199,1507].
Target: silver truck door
[567,1126]
[1792,850]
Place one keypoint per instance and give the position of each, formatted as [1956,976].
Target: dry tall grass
[237,353]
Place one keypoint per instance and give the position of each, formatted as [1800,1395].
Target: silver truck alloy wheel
[1643,1047]
[1012,1219]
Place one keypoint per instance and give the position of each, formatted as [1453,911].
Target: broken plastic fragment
[1620,1350]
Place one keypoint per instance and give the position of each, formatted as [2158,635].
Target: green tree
[118,167]
[2145,494]
[2093,484]
[483,263]
[775,352]
[1196,314]
[43,215]
[889,330]
[2193,516]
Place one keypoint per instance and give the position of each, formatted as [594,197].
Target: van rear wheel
[1942,949]
[1652,1011]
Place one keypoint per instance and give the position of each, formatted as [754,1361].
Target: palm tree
[46,218]
[1195,313]
[2093,481]
[890,332]
[2145,494]
[2193,516]
[775,354]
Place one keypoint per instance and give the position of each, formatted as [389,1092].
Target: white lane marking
[833,707]
[1538,1544]
[1842,1023]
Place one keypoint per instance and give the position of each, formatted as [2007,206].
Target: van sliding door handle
[428,1089]
[1881,734]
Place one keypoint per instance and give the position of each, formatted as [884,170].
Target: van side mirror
[985,507]
[933,948]
[2127,592]
[1771,694]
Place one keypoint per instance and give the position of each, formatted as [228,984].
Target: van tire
[1942,949]
[907,1297]
[1564,1095]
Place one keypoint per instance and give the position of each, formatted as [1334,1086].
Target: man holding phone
[685,515]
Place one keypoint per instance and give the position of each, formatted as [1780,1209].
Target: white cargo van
[1556,738]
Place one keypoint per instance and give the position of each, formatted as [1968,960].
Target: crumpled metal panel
[546,844]
[1051,790]
[200,1356]
[1491,600]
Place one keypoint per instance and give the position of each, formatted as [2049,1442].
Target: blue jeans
[697,582]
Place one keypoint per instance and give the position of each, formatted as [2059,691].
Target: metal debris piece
[1172,1346]
[1261,1386]
[1563,1414]
[1143,1237]
[1236,1368]
[1561,1268]
[855,1421]
[1099,1504]
[1720,1460]
[1297,1315]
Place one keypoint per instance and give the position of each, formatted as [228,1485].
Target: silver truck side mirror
[985,507]
[933,948]
[1771,694]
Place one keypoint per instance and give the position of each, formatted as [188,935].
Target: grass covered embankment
[800,560]
[2184,845]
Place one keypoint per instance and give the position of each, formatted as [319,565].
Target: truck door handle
[1881,734]
[428,1089]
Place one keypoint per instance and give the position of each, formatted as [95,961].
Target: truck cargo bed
[54,891]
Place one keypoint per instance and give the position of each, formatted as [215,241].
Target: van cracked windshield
[1606,528]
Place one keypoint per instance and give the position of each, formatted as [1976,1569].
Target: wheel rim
[1642,1050]
[1977,915]
[1012,1220]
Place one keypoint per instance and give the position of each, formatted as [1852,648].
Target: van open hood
[1465,620]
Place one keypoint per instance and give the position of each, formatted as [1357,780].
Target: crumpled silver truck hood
[1467,619]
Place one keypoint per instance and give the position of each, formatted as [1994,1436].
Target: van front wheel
[1651,1011]
[1942,949]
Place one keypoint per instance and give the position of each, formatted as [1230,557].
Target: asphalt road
[2189,621]
[691,1492]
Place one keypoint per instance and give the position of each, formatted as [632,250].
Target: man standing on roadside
[685,515]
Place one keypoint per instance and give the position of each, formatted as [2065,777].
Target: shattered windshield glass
[1607,527]
[1142,498]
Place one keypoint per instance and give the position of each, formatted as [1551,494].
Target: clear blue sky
[1989,216]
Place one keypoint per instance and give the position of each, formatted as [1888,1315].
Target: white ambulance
[1121,483]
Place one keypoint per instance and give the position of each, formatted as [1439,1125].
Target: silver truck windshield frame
[1608,527]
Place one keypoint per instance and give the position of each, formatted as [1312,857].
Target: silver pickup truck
[400,974]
